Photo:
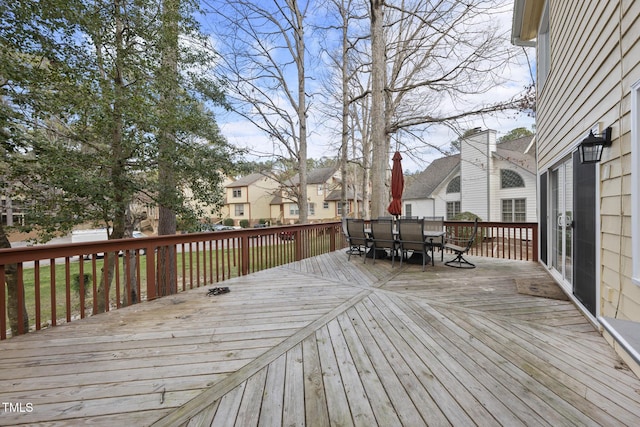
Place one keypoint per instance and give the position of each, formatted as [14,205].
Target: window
[543,48]
[239,210]
[312,208]
[339,207]
[453,209]
[237,192]
[514,210]
[325,205]
[510,179]
[293,209]
[407,209]
[454,185]
[320,189]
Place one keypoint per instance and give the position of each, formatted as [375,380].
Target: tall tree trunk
[344,146]
[380,156]
[130,261]
[11,277]
[118,169]
[167,222]
[298,28]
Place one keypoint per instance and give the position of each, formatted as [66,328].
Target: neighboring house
[248,198]
[322,183]
[354,203]
[145,207]
[588,79]
[11,212]
[497,182]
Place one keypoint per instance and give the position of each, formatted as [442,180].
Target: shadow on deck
[326,341]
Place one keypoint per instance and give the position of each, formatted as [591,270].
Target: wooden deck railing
[508,240]
[60,283]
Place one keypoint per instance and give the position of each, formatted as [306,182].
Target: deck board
[326,341]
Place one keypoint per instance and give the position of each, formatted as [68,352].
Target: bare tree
[430,60]
[263,49]
[379,139]
[341,89]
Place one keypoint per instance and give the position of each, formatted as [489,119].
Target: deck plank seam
[192,407]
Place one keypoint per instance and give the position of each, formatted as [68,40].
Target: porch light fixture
[591,147]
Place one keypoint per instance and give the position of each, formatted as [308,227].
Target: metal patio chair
[357,238]
[460,247]
[383,238]
[411,238]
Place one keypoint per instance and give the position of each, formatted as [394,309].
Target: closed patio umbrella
[397,186]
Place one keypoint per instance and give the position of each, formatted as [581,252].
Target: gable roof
[425,183]
[519,144]
[315,176]
[335,195]
[515,151]
[245,181]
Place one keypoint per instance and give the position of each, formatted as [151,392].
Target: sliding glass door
[562,222]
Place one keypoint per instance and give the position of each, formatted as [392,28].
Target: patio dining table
[430,235]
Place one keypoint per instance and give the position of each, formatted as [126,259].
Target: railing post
[244,255]
[298,244]
[3,305]
[536,249]
[151,274]
[20,295]
[332,239]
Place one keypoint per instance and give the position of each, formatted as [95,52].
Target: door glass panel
[568,221]
[556,218]
[562,217]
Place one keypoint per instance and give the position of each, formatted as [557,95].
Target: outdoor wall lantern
[591,147]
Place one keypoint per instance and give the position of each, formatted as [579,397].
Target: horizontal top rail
[50,284]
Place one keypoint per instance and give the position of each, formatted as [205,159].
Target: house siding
[420,207]
[594,55]
[255,197]
[476,179]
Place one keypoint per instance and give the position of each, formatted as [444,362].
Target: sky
[322,141]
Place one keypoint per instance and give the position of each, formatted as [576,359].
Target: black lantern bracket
[592,146]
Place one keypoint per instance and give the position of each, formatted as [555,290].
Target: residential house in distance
[324,202]
[495,181]
[248,198]
[354,203]
[588,82]
[11,212]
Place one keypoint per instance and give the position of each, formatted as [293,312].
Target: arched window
[510,179]
[454,185]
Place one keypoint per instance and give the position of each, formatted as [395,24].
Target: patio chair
[383,238]
[435,223]
[357,238]
[460,247]
[411,238]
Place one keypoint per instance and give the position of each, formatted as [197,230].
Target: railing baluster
[36,290]
[94,270]
[117,278]
[3,305]
[52,270]
[67,287]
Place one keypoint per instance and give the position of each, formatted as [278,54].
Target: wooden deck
[327,341]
